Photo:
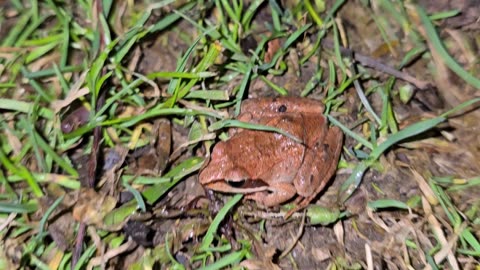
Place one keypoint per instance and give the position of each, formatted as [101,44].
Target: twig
[377,65]
[97,133]
[77,252]
[99,260]
[297,237]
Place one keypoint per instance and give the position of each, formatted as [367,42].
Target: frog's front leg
[278,193]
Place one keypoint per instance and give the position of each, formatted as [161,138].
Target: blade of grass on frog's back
[235,123]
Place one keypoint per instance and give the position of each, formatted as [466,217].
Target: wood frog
[271,168]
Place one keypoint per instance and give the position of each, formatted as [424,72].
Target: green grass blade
[353,181]
[22,172]
[24,107]
[208,238]
[171,18]
[153,193]
[350,133]
[313,13]
[138,197]
[85,256]
[46,215]
[208,95]
[17,29]
[405,133]
[50,72]
[235,123]
[62,180]
[243,89]
[59,160]
[39,52]
[387,203]
[19,208]
[440,49]
[230,259]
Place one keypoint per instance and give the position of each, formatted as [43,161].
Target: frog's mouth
[242,186]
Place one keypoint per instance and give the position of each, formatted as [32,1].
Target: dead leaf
[92,207]
[74,93]
[264,261]
[273,47]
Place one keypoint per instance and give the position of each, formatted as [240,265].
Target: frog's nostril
[282,108]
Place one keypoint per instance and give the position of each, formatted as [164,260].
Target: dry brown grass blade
[112,253]
[425,188]
[438,231]
[75,92]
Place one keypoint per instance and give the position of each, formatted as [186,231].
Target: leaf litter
[171,71]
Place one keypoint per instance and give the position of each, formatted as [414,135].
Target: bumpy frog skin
[271,168]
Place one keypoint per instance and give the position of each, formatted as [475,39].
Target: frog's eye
[282,108]
[236,184]
[246,183]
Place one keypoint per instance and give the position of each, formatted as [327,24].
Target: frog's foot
[300,204]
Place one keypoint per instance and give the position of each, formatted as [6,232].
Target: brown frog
[271,168]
